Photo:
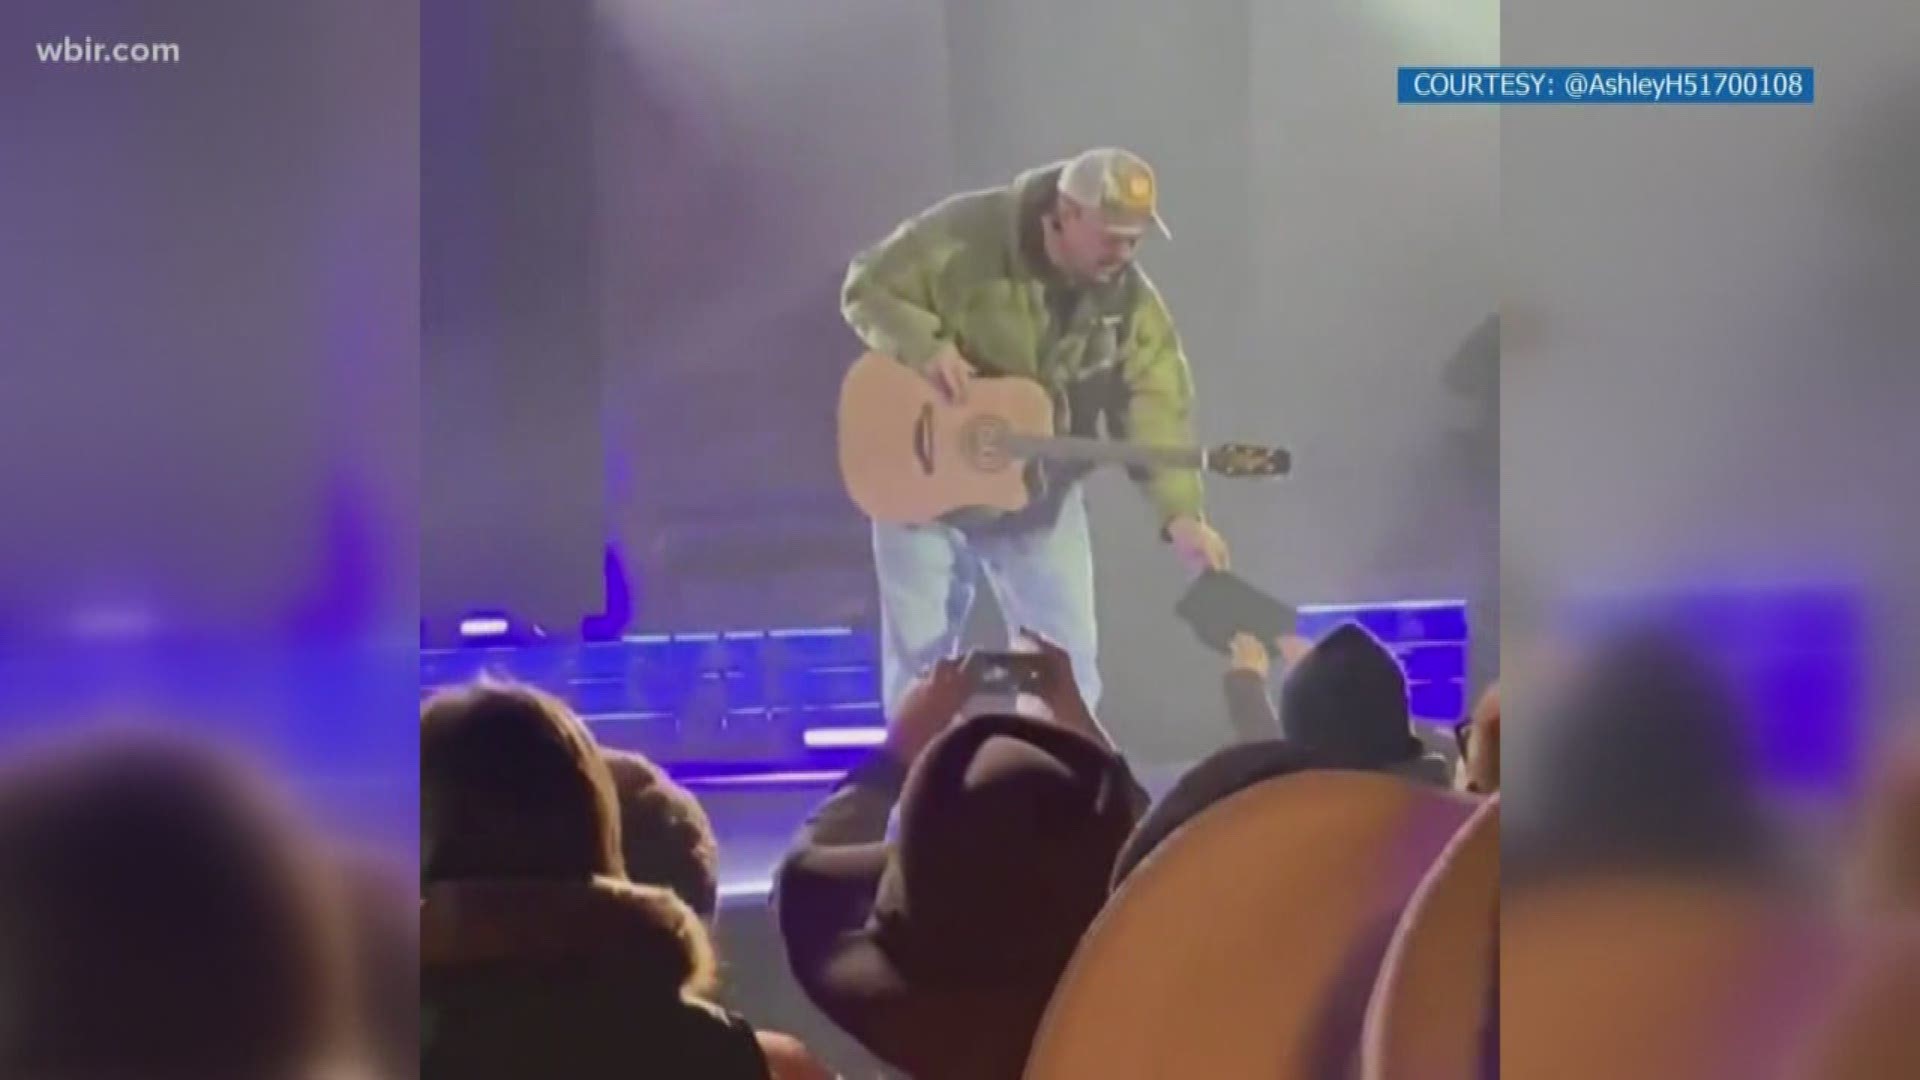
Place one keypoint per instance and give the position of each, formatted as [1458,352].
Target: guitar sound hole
[981,442]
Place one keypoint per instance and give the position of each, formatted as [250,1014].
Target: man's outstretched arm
[1159,412]
[1159,407]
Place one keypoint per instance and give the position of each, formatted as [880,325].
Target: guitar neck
[1085,451]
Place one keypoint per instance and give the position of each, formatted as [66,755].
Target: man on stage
[1034,279]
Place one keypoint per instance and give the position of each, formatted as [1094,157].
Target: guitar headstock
[1244,459]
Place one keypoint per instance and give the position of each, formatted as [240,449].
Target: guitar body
[910,458]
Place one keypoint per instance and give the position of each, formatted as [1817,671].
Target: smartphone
[1006,672]
[1220,605]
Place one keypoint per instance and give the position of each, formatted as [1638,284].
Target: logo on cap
[1137,192]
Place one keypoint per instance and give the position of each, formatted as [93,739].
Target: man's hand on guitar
[951,373]
[1197,544]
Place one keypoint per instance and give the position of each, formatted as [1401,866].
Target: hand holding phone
[1060,691]
[1007,673]
[927,709]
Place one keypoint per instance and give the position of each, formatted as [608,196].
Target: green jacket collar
[1033,196]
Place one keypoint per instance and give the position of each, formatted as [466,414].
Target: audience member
[538,957]
[383,911]
[1249,944]
[1638,765]
[665,835]
[165,919]
[1884,878]
[789,1059]
[668,841]
[939,951]
[1249,709]
[1478,739]
[1343,705]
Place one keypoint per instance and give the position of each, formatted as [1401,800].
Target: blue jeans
[1042,576]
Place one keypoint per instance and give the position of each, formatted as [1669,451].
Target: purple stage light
[484,626]
[786,778]
[846,738]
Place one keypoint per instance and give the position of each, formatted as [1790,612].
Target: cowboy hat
[1246,944]
[1656,978]
[1436,996]
[1871,1031]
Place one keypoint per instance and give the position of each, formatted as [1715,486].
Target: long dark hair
[512,786]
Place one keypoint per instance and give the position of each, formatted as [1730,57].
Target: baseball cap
[1120,185]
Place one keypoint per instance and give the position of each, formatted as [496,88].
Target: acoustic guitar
[909,457]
